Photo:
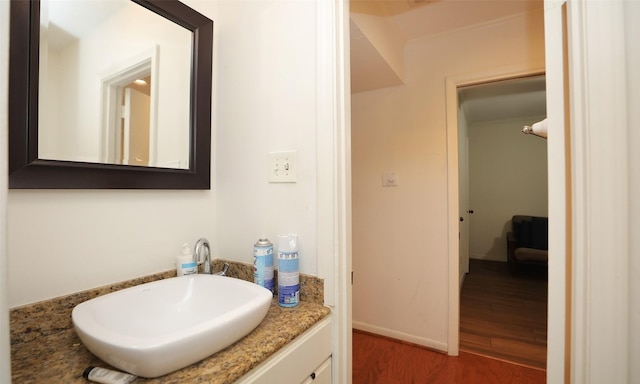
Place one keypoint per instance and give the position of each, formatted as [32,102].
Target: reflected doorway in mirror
[129,111]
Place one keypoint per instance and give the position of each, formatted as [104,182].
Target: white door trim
[333,137]
[600,181]
[559,189]
[5,350]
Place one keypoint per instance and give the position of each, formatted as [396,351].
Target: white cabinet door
[297,360]
[322,375]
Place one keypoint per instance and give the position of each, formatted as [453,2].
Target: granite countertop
[46,349]
[61,357]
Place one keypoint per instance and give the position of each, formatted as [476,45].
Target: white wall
[264,99]
[267,69]
[508,176]
[400,248]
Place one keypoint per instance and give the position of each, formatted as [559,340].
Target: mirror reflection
[114,85]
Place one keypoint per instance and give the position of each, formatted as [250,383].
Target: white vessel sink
[152,329]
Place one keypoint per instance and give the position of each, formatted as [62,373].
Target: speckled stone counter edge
[48,317]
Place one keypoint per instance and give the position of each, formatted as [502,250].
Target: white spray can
[263,263]
[288,274]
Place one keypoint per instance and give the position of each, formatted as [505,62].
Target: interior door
[463,202]
[137,112]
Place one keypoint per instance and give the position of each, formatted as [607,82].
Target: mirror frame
[27,171]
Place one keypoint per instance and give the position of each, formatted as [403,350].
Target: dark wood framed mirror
[28,171]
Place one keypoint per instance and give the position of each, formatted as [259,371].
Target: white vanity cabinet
[306,359]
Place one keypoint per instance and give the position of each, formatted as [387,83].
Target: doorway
[502,173]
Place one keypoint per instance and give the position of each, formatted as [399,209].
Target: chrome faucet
[207,258]
[207,255]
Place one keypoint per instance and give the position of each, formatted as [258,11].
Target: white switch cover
[389,179]
[283,167]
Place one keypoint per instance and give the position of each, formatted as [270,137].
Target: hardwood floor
[504,316]
[379,360]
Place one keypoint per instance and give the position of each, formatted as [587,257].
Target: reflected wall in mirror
[80,120]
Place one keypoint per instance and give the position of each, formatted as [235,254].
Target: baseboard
[423,341]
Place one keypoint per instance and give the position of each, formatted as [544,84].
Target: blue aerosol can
[263,263]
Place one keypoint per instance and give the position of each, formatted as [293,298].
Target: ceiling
[417,19]
[409,20]
[69,21]
[506,99]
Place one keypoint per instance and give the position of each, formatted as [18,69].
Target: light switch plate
[283,167]
[389,179]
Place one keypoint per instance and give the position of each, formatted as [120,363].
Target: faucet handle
[225,268]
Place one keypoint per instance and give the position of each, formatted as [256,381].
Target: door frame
[452,83]
[600,50]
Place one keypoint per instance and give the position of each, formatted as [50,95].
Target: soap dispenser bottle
[184,262]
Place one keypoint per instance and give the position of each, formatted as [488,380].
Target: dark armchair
[528,241]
